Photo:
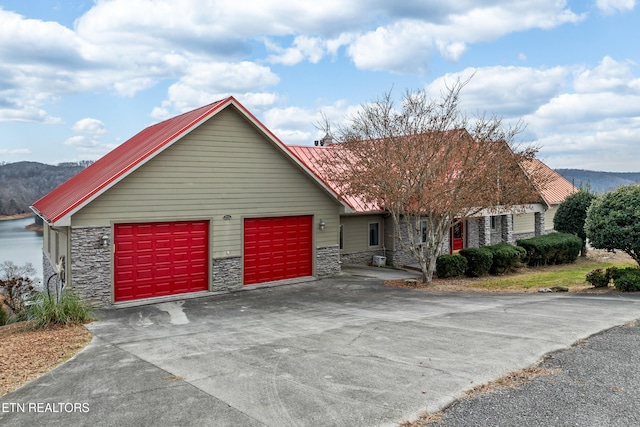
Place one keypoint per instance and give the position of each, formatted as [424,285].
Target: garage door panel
[164,258]
[277,248]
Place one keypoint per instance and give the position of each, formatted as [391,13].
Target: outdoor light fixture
[226,217]
[105,241]
[322,225]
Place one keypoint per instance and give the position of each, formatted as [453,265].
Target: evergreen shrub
[627,279]
[553,248]
[450,266]
[479,261]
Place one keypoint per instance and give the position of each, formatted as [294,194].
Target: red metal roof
[90,182]
[108,170]
[315,158]
[552,186]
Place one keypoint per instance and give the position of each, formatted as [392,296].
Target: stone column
[484,231]
[506,228]
[91,264]
[539,223]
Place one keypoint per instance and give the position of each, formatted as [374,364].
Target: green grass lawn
[569,275]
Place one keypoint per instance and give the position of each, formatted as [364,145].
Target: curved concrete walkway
[343,351]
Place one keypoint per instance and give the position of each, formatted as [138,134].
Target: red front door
[277,248]
[457,236]
[160,258]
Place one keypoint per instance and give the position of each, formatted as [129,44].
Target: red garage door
[277,248]
[162,258]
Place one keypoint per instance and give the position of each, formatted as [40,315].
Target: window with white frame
[494,223]
[424,226]
[374,234]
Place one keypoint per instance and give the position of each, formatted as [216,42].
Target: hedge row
[476,262]
[554,248]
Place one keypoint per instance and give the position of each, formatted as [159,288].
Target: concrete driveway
[342,351]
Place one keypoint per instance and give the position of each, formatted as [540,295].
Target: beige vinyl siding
[224,167]
[524,223]
[548,217]
[56,245]
[46,239]
[55,242]
[356,232]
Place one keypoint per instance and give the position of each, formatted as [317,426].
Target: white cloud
[26,114]
[295,125]
[129,46]
[609,7]
[200,51]
[610,76]
[406,45]
[89,126]
[581,117]
[304,48]
[402,47]
[204,83]
[507,91]
[89,141]
[81,141]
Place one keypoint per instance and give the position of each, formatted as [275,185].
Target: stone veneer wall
[539,224]
[484,231]
[506,228]
[522,236]
[226,274]
[91,264]
[402,257]
[361,258]
[328,260]
[48,270]
[475,228]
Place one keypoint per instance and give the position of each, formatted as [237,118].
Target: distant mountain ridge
[599,182]
[22,183]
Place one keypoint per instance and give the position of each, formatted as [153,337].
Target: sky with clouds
[79,77]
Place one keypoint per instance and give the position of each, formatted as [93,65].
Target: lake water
[20,245]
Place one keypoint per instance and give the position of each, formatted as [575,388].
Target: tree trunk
[427,270]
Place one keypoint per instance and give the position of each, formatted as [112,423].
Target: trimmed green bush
[450,266]
[598,278]
[45,311]
[479,261]
[506,257]
[627,279]
[553,248]
[571,215]
[613,221]
[613,272]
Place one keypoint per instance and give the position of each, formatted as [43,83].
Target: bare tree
[427,162]
[16,283]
